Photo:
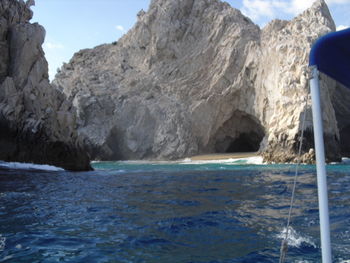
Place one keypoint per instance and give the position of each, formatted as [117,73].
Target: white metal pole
[321,167]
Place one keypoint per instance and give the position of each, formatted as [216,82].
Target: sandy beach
[222,156]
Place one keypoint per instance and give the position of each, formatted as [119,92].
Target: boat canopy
[331,55]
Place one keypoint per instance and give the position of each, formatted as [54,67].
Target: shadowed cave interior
[241,133]
[345,141]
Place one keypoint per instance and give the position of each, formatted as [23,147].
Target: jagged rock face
[196,76]
[36,121]
[282,85]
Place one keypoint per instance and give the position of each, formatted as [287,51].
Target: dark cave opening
[241,133]
[345,141]
[245,143]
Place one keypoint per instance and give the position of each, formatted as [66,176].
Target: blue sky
[72,25]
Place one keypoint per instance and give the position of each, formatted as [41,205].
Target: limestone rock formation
[196,76]
[37,123]
[282,82]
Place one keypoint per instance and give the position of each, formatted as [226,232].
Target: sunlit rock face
[37,123]
[196,76]
[282,80]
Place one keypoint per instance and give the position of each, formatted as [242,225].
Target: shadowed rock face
[340,100]
[36,121]
[196,76]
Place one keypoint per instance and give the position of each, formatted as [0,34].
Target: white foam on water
[18,246]
[2,243]
[29,166]
[295,239]
[257,160]
[344,160]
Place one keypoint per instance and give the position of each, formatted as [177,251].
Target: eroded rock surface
[37,123]
[196,76]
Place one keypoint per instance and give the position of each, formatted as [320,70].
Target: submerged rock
[37,123]
[196,76]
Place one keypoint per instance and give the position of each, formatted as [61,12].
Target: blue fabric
[331,55]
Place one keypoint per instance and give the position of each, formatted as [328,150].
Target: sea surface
[214,211]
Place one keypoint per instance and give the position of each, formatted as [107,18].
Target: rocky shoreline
[37,123]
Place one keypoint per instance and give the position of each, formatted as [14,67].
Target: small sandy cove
[221,156]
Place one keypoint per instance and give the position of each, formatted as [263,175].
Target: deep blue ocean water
[168,212]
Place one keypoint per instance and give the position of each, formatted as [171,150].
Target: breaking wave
[29,166]
[295,239]
[257,160]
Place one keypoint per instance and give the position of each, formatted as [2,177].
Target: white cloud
[52,45]
[298,6]
[341,27]
[256,9]
[262,9]
[120,28]
[337,1]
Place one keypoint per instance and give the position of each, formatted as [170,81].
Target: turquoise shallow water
[167,212]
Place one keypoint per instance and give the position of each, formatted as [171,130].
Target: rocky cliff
[37,123]
[196,76]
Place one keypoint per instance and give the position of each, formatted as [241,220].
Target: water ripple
[167,214]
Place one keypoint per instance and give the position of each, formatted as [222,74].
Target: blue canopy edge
[331,55]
